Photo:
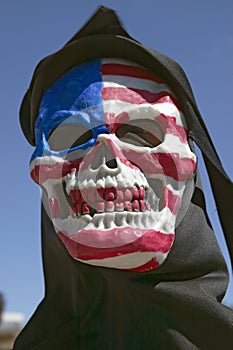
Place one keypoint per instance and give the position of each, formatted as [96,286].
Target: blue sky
[198,34]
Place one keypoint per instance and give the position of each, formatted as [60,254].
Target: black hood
[177,306]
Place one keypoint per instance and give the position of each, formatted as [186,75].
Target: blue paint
[64,92]
[75,98]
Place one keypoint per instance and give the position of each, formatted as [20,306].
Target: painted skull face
[113,159]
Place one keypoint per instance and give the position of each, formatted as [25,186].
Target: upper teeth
[109,200]
[108,194]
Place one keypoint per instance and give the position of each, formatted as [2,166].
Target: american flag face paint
[113,158]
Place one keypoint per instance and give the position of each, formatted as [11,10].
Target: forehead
[101,81]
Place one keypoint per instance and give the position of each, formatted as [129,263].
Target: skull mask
[113,160]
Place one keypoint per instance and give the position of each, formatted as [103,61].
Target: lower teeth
[107,221]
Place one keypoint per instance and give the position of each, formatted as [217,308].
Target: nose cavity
[112,164]
[103,156]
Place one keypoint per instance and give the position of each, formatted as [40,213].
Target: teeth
[142,205]
[148,206]
[135,192]
[109,220]
[86,209]
[71,180]
[128,195]
[109,182]
[111,199]
[120,181]
[100,208]
[119,206]
[136,205]
[121,176]
[109,206]
[120,195]
[128,218]
[83,184]
[100,183]
[136,220]
[98,222]
[109,194]
[119,219]
[141,192]
[128,206]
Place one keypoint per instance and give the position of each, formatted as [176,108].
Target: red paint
[120,195]
[85,209]
[54,208]
[136,205]
[170,200]
[135,96]
[128,206]
[100,207]
[73,196]
[141,193]
[114,121]
[129,71]
[170,127]
[142,205]
[168,164]
[78,208]
[135,192]
[128,195]
[41,173]
[119,206]
[110,194]
[152,241]
[109,206]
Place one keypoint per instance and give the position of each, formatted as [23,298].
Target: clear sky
[197,33]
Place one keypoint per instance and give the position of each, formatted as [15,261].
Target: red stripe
[114,121]
[129,71]
[171,200]
[169,125]
[136,96]
[168,164]
[43,172]
[152,241]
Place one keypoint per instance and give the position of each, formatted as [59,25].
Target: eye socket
[67,136]
[141,132]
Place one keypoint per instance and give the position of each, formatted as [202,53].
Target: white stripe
[173,144]
[134,83]
[149,111]
[47,160]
